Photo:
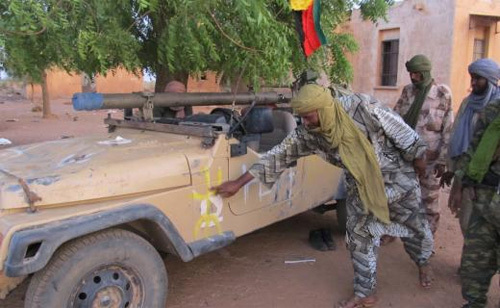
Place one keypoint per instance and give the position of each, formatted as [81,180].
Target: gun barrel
[93,101]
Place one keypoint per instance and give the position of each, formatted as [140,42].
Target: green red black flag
[307,22]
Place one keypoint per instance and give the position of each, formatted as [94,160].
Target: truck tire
[341,215]
[111,268]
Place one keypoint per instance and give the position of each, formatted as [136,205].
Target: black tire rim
[113,286]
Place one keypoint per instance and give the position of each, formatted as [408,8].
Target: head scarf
[486,68]
[464,130]
[419,64]
[356,152]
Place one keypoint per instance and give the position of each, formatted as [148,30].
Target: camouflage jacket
[435,120]
[396,145]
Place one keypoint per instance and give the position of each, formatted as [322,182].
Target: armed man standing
[378,151]
[479,171]
[426,107]
[484,74]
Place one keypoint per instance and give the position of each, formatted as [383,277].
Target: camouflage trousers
[430,188]
[364,232]
[481,251]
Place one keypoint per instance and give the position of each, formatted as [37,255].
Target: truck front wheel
[111,268]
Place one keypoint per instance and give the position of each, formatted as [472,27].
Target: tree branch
[9,32]
[42,30]
[227,36]
[137,20]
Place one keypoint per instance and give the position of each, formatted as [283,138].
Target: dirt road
[252,272]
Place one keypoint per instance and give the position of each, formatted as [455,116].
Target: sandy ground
[252,272]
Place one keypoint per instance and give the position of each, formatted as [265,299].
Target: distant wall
[119,81]
[422,27]
[60,85]
[206,83]
[64,85]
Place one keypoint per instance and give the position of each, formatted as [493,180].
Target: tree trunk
[32,92]
[46,112]
[161,80]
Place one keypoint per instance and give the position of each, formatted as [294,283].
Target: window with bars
[479,49]
[390,53]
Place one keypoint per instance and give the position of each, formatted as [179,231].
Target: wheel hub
[110,287]
[109,297]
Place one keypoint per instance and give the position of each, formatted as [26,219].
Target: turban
[464,128]
[419,63]
[486,68]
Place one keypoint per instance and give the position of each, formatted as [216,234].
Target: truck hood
[114,165]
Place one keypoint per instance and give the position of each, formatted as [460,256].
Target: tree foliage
[33,38]
[252,40]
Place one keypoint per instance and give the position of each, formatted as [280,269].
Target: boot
[316,240]
[328,239]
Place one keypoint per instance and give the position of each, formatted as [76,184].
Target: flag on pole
[307,22]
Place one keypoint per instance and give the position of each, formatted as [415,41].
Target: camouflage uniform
[396,145]
[434,126]
[466,205]
[481,252]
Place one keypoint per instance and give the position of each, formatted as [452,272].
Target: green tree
[38,35]
[32,41]
[250,40]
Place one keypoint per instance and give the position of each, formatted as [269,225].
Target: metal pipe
[93,101]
